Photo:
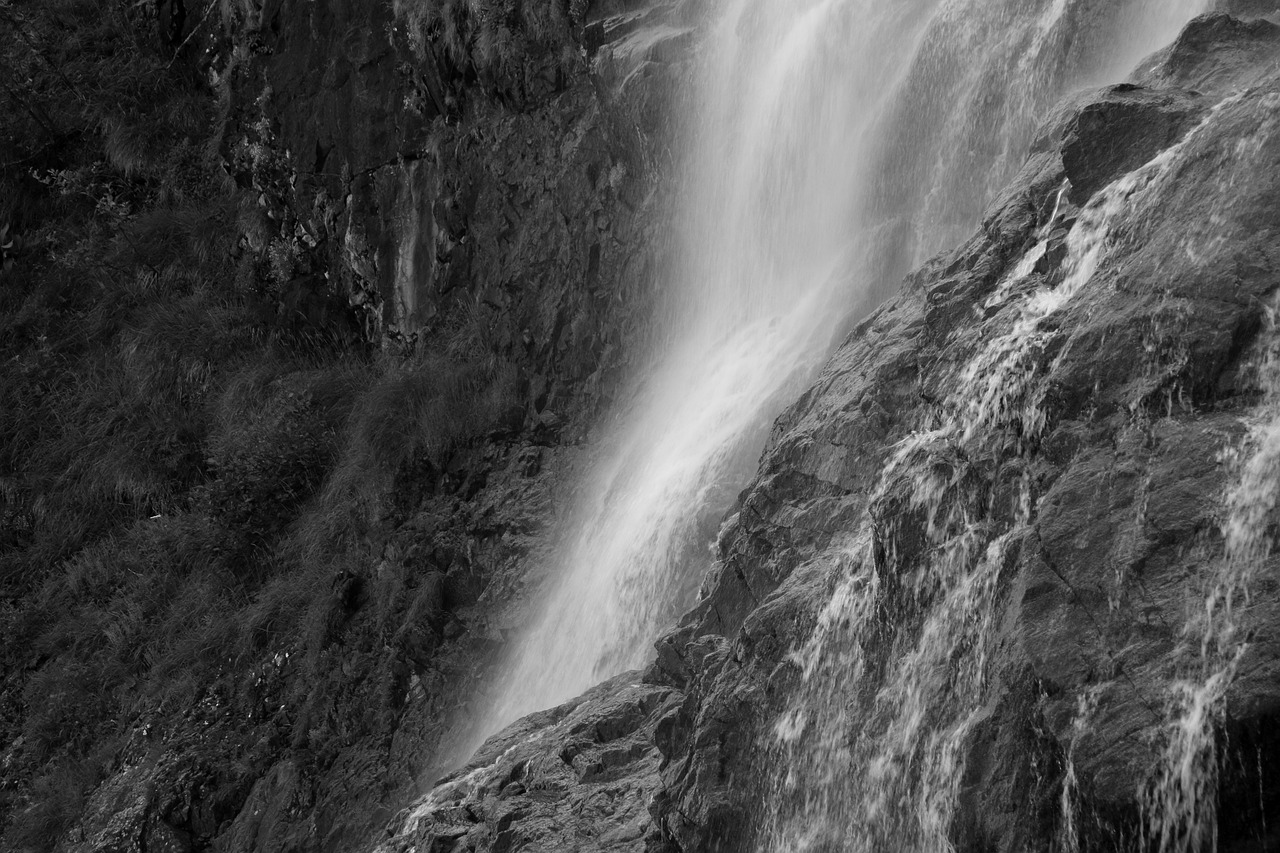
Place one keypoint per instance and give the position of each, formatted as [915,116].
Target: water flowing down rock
[1028,455]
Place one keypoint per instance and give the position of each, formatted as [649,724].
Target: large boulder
[1248,8]
[1215,54]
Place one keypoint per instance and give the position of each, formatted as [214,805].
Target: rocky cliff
[1015,473]
[992,559]
[1023,503]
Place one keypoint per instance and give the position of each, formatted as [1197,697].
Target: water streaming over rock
[1181,806]
[896,676]
[1086,706]
[836,144]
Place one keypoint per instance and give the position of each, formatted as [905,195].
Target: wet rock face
[1099,470]
[1116,131]
[524,210]
[1093,481]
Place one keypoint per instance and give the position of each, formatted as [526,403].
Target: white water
[837,143]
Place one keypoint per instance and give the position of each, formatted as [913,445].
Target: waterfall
[835,144]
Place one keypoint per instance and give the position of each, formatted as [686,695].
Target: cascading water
[837,143]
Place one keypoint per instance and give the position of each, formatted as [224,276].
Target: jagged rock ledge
[578,776]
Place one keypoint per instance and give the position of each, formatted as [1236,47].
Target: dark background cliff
[305,313]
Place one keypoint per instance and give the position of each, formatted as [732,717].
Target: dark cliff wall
[449,181]
[277,445]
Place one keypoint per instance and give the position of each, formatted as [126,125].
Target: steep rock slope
[973,561]
[576,777]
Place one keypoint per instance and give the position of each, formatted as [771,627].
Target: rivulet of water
[1086,706]
[835,144]
[1181,804]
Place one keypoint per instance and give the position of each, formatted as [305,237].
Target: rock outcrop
[980,550]
[577,777]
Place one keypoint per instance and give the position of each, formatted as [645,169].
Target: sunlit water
[836,144]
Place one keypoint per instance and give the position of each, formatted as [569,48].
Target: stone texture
[1215,54]
[423,199]
[574,778]
[1248,8]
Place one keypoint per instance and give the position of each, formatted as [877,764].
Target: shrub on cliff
[99,111]
[117,322]
[274,441]
[101,401]
[133,627]
[426,407]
